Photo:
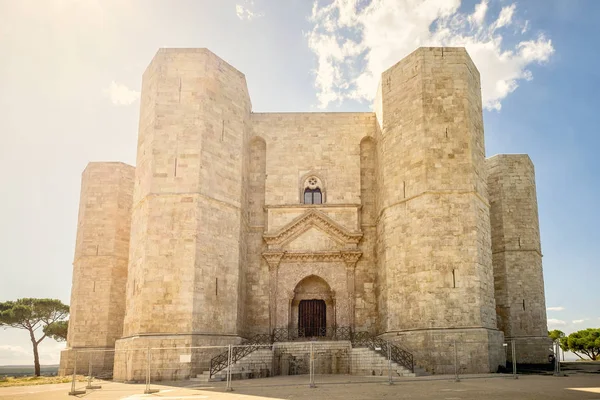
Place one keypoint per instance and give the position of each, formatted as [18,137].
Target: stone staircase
[369,362]
[330,357]
[258,364]
[293,358]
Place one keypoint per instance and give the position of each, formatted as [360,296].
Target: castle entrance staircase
[336,350]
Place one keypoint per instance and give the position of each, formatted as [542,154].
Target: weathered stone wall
[326,145]
[477,350]
[100,264]
[187,224]
[517,258]
[433,230]
[131,356]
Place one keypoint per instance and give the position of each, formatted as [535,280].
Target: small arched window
[312,191]
[313,196]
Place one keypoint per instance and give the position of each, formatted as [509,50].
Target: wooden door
[312,318]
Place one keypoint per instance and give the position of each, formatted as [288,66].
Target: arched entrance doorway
[313,309]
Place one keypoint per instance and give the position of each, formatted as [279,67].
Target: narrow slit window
[454,278]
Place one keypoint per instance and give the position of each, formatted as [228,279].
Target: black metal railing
[220,362]
[387,349]
[398,354]
[319,333]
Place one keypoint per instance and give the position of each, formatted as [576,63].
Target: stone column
[290,322]
[273,260]
[351,258]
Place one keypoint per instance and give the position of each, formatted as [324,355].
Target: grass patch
[37,380]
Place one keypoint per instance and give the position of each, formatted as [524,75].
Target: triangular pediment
[313,239]
[309,227]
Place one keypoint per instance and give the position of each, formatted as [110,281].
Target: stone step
[361,361]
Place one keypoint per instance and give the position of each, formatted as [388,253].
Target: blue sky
[70,75]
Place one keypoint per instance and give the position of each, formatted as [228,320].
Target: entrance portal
[312,317]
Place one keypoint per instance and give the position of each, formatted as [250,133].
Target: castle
[235,223]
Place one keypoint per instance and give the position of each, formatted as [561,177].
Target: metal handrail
[220,362]
[324,333]
[398,354]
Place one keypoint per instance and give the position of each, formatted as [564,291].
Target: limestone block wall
[324,144]
[187,226]
[297,145]
[477,350]
[100,262]
[517,258]
[433,231]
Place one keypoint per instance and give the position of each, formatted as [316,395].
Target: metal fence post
[557,359]
[148,361]
[456,378]
[514,358]
[73,391]
[390,379]
[229,358]
[311,373]
[89,384]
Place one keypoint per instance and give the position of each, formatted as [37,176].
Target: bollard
[74,392]
[390,379]
[456,378]
[89,384]
[229,359]
[514,358]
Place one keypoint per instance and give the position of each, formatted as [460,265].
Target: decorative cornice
[274,258]
[351,257]
[312,218]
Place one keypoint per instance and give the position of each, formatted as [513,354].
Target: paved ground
[338,387]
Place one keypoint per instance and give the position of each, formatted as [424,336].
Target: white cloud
[120,94]
[580,321]
[559,308]
[244,12]
[478,16]
[556,322]
[354,43]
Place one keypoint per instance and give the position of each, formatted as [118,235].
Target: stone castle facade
[235,223]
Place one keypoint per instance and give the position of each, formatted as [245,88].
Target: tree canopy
[586,341]
[32,314]
[57,330]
